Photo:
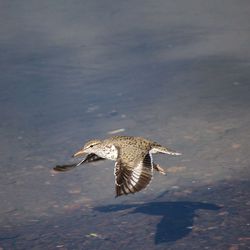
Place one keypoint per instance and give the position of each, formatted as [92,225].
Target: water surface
[174,72]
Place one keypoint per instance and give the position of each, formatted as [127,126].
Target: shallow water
[174,72]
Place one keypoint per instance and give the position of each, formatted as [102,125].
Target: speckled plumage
[133,155]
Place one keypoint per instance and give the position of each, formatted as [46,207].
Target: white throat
[108,152]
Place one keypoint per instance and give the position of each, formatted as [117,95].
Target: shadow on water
[177,218]
[206,218]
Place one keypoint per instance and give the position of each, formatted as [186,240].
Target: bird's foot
[158,168]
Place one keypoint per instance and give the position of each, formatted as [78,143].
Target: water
[174,72]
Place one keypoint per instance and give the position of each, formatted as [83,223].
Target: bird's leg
[159,169]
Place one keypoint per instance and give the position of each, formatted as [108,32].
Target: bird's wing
[157,148]
[92,157]
[132,179]
[89,158]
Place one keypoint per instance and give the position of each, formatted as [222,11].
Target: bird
[133,160]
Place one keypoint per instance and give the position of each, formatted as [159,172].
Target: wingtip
[63,168]
[57,168]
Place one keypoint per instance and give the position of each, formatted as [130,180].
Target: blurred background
[176,72]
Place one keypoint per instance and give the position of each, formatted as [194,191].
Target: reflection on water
[177,73]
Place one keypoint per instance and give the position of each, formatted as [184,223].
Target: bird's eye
[91,146]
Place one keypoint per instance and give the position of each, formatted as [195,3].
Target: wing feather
[132,179]
[89,158]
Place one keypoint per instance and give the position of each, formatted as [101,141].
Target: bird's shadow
[176,217]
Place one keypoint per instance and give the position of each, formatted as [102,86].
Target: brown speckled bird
[133,155]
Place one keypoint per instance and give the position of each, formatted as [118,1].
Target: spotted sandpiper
[133,155]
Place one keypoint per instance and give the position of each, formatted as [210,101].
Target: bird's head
[90,147]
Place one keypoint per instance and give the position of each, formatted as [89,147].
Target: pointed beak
[79,153]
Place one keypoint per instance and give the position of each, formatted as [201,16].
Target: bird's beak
[79,153]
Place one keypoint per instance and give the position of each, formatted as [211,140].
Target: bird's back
[131,149]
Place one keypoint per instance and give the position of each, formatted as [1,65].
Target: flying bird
[133,160]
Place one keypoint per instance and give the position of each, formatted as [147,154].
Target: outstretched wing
[132,179]
[89,158]
[92,157]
